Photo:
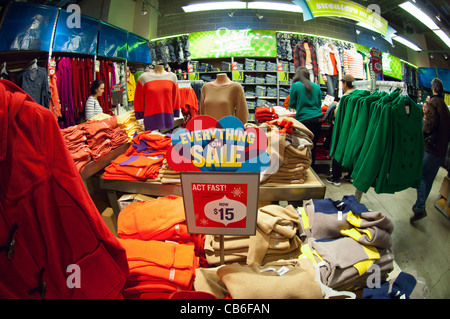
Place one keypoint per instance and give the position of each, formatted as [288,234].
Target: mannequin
[305,55]
[158,113]
[159,69]
[223,97]
[221,79]
[354,63]
[330,66]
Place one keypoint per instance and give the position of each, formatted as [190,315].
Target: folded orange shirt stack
[133,168]
[93,139]
[161,254]
[265,113]
[142,160]
[75,139]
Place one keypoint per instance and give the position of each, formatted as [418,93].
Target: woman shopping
[306,98]
[93,107]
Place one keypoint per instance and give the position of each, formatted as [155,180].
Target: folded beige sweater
[279,280]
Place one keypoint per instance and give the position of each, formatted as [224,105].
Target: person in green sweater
[306,99]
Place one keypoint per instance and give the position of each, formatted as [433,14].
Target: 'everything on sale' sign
[208,145]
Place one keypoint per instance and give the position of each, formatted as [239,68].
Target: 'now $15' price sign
[220,205]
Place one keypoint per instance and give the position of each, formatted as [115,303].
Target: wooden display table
[270,192]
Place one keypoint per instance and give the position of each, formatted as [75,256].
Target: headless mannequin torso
[221,80]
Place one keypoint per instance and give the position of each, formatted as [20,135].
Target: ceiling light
[358,31]
[408,43]
[206,6]
[231,14]
[419,14]
[274,6]
[439,18]
[143,11]
[260,16]
[444,37]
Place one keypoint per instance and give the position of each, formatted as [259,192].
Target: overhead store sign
[392,66]
[368,17]
[229,43]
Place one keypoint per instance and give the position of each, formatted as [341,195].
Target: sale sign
[208,145]
[220,203]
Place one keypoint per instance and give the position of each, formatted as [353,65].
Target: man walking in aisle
[436,133]
[336,168]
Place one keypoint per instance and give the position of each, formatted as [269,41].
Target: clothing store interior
[225,150]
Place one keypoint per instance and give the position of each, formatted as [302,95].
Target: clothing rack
[373,85]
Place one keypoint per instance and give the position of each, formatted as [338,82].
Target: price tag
[220,203]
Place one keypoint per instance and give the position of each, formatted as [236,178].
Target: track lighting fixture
[358,31]
[143,11]
[260,16]
[230,14]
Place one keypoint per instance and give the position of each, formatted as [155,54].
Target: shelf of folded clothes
[92,141]
[93,167]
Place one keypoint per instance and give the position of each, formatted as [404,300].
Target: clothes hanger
[33,65]
[4,71]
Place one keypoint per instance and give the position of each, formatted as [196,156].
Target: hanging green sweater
[392,161]
[344,116]
[358,128]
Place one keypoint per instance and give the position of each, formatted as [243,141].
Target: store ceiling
[404,23]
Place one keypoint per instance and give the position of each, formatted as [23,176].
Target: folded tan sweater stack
[275,239]
[283,279]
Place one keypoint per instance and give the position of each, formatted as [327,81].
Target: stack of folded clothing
[158,268]
[284,279]
[103,136]
[167,175]
[271,66]
[249,64]
[260,90]
[264,114]
[162,255]
[249,79]
[142,160]
[345,239]
[271,79]
[271,92]
[129,123]
[260,65]
[296,154]
[133,168]
[284,92]
[260,80]
[93,139]
[263,102]
[75,139]
[275,239]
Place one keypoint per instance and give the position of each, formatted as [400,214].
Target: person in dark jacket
[436,132]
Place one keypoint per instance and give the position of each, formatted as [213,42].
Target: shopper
[436,134]
[306,99]
[92,106]
[336,168]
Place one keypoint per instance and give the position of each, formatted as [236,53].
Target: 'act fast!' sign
[208,145]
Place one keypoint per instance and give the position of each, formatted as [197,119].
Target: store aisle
[423,247]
